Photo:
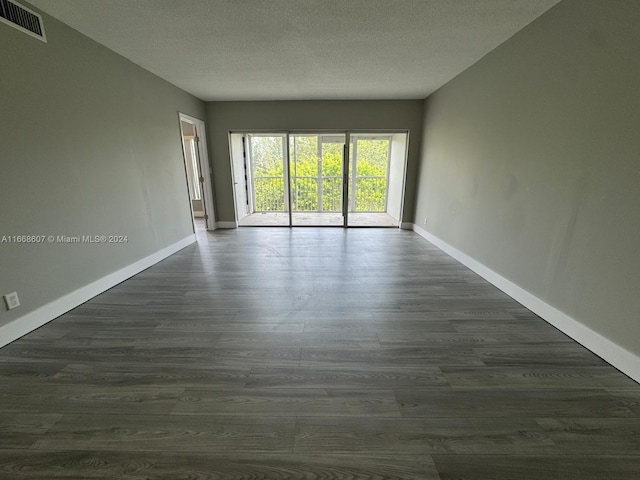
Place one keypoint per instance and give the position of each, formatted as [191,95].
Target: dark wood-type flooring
[311,354]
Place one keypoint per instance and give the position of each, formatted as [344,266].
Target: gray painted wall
[89,145]
[223,117]
[531,163]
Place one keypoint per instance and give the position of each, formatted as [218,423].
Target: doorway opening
[319,179]
[197,172]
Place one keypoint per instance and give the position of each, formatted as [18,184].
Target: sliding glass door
[316,174]
[267,177]
[313,179]
[376,166]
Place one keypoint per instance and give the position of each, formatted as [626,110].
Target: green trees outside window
[372,165]
[316,174]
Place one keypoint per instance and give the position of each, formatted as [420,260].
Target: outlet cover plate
[11,300]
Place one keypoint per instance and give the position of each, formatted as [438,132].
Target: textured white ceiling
[300,49]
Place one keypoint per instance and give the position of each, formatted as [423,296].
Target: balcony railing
[306,196]
[269,194]
[370,195]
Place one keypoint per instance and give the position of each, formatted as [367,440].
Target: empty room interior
[320,239]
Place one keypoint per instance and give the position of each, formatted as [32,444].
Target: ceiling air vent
[22,18]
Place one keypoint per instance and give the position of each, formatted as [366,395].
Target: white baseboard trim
[226,225]
[624,360]
[32,320]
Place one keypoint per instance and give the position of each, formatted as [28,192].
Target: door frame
[205,169]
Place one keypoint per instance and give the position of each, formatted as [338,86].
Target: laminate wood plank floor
[311,354]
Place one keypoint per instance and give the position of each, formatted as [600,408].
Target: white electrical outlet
[12,301]
[425,220]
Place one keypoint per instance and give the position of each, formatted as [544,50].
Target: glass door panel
[269,202]
[304,172]
[316,179]
[369,169]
